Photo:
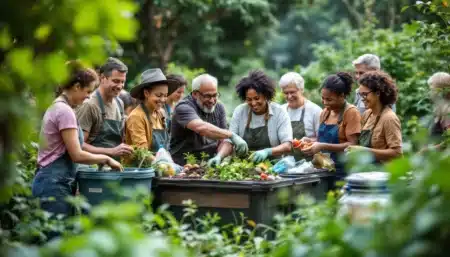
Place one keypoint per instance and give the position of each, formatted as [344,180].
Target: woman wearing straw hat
[146,126]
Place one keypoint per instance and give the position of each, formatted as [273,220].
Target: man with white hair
[199,122]
[363,64]
[304,114]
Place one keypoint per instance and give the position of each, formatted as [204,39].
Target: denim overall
[57,180]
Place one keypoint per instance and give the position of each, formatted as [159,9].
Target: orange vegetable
[264,176]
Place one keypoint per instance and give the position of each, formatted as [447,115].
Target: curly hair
[340,83]
[258,81]
[381,83]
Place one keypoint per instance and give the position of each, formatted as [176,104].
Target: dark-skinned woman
[381,130]
[146,126]
[340,122]
[263,124]
[61,139]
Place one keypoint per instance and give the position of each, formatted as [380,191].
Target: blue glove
[240,145]
[261,155]
[215,161]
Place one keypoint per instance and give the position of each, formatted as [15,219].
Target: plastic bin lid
[128,173]
[371,179]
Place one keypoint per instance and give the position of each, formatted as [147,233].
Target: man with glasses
[102,116]
[199,122]
[363,64]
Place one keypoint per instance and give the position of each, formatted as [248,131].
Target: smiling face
[256,101]
[156,97]
[79,94]
[293,96]
[177,95]
[112,85]
[206,97]
[369,98]
[332,100]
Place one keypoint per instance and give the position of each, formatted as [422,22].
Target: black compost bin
[98,186]
[257,200]
[326,181]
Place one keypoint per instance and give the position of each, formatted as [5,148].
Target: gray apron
[298,131]
[256,138]
[365,138]
[57,180]
[111,132]
[160,137]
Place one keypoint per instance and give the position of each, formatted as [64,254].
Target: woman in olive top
[146,126]
[263,124]
[61,139]
[178,82]
[381,130]
[340,122]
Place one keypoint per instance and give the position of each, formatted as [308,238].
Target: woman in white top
[304,114]
[263,124]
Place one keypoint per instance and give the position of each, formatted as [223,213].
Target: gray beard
[204,108]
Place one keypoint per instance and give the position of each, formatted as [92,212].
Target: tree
[36,39]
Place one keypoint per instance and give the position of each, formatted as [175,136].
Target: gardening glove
[215,161]
[240,145]
[261,155]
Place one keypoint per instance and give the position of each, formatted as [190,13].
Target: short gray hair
[439,80]
[370,60]
[111,65]
[199,80]
[292,78]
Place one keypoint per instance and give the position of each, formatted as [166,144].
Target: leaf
[21,61]
[42,32]
[404,8]
[5,38]
[411,29]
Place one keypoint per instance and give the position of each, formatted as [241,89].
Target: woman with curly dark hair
[340,122]
[263,124]
[381,130]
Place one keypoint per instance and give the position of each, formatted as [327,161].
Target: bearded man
[199,122]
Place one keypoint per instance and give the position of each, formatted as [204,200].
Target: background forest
[226,38]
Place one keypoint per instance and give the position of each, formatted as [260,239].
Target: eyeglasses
[364,95]
[208,96]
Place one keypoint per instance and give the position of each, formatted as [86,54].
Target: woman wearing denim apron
[61,141]
[340,122]
[381,129]
[146,127]
[263,124]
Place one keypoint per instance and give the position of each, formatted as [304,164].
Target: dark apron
[256,138]
[160,137]
[168,118]
[57,180]
[298,132]
[365,138]
[329,133]
[111,132]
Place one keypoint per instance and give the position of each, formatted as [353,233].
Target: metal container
[364,195]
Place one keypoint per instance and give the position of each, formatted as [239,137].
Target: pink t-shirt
[59,116]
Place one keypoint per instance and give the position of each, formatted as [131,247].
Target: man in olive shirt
[199,122]
[102,116]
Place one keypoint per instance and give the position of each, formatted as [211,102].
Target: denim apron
[111,132]
[298,131]
[329,133]
[57,180]
[160,137]
[256,138]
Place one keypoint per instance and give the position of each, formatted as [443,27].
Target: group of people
[95,121]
